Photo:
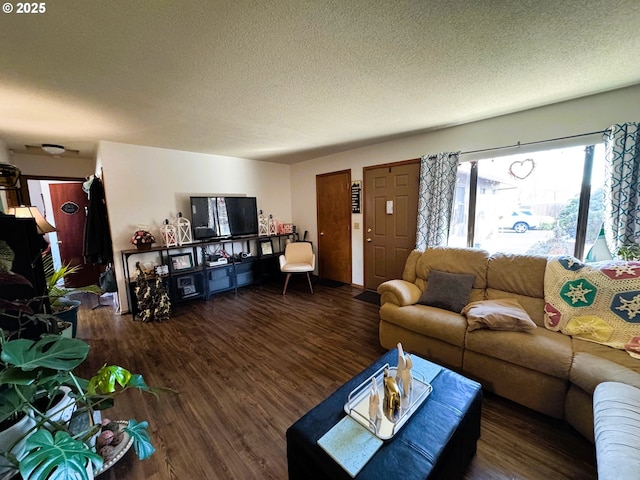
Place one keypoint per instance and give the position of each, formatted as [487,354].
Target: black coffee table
[437,442]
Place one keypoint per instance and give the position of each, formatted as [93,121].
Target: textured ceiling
[289,80]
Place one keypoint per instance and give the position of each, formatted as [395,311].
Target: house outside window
[529,203]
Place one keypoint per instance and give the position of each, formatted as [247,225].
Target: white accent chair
[298,258]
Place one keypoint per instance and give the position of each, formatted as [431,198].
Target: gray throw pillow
[447,290]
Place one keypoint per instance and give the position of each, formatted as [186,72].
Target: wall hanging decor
[169,234]
[183,227]
[522,169]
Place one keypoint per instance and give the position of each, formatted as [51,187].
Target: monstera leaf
[51,351]
[11,401]
[141,439]
[56,458]
[105,380]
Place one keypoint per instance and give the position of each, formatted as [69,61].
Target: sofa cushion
[429,321]
[447,290]
[587,371]
[454,260]
[520,277]
[502,314]
[541,349]
[602,351]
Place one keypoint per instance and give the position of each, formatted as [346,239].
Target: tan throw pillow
[502,314]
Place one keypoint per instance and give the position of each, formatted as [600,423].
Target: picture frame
[181,261]
[185,281]
[266,248]
[186,286]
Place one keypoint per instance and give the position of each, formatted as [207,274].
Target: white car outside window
[520,221]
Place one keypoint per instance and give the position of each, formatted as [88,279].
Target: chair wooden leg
[286,282]
[309,279]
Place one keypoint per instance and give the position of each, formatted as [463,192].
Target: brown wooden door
[333,202]
[70,203]
[391,207]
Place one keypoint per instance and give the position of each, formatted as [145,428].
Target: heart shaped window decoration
[522,169]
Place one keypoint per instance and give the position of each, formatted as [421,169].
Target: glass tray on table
[357,406]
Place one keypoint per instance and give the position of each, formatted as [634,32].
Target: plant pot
[63,409]
[9,437]
[143,246]
[70,314]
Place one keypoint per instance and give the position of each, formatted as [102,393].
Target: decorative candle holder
[168,234]
[263,225]
[183,228]
[273,226]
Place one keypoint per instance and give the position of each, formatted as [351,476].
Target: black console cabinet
[200,270]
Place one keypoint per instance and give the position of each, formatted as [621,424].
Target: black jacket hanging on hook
[97,236]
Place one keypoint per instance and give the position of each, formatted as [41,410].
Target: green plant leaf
[105,380]
[136,381]
[11,402]
[51,351]
[17,376]
[56,458]
[141,438]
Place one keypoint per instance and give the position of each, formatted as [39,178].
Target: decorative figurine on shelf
[263,225]
[375,405]
[392,401]
[404,371]
[273,225]
[183,228]
[168,234]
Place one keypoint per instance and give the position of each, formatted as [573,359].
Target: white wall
[145,185]
[589,114]
[40,165]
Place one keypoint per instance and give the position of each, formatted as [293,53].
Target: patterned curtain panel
[435,202]
[622,185]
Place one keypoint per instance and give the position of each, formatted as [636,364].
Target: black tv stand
[192,275]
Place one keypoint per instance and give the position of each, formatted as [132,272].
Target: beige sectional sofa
[544,370]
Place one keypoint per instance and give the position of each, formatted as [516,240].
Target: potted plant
[49,443]
[63,307]
[629,252]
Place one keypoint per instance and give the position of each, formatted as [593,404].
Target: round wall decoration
[522,169]
[70,208]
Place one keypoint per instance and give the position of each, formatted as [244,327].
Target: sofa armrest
[400,292]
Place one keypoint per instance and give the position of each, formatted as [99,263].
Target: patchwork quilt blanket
[598,302]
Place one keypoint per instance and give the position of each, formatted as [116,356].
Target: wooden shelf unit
[246,265]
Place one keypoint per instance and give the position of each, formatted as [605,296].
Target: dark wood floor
[248,366]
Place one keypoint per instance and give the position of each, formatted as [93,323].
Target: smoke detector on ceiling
[52,149]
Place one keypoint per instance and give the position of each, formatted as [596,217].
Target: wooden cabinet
[203,269]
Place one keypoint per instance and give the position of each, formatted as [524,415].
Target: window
[529,203]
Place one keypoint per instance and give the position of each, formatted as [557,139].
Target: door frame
[26,198]
[348,206]
[364,205]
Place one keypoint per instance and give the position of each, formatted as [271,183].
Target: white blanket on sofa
[599,302]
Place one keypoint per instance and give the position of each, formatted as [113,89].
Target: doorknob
[368,239]
[59,242]
[368,230]
[322,234]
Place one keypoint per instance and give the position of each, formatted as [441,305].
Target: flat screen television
[242,213]
[220,217]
